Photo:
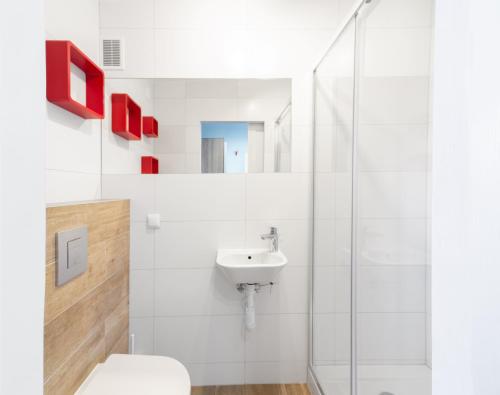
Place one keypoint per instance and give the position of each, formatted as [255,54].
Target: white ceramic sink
[251,266]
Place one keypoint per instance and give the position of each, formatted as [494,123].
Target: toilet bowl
[124,374]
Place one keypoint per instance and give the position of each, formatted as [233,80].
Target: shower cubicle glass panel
[331,312]
[371,315]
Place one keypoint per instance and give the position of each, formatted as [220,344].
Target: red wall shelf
[59,56]
[149,165]
[149,126]
[126,118]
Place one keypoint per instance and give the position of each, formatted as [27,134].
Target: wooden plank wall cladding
[86,319]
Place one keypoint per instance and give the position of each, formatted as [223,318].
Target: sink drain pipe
[250,306]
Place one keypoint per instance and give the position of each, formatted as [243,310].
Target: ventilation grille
[112,53]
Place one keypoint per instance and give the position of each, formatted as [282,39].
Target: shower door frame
[353,378]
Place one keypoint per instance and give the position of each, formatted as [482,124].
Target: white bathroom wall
[120,156]
[73,143]
[225,39]
[22,195]
[228,39]
[182,104]
[465,199]
[182,306]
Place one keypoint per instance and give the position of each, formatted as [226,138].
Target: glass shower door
[392,122]
[331,309]
[371,274]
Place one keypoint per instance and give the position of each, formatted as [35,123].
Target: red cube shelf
[149,165]
[149,126]
[59,56]
[126,118]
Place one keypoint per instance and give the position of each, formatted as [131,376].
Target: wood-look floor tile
[203,390]
[264,389]
[229,390]
[297,389]
[253,389]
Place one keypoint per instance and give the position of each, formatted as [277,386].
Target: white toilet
[124,374]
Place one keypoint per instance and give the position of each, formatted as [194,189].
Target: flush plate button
[71,254]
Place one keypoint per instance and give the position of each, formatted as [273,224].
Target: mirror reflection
[206,126]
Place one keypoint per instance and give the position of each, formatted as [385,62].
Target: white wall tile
[139,188]
[344,98]
[396,52]
[68,186]
[212,88]
[174,242]
[322,14]
[171,140]
[332,289]
[391,289]
[171,163]
[193,139]
[201,197]
[174,52]
[200,339]
[192,14]
[143,331]
[288,295]
[199,110]
[402,13]
[284,51]
[325,105]
[129,14]
[392,195]
[324,196]
[331,338]
[279,196]
[401,100]
[294,241]
[204,291]
[302,149]
[170,88]
[141,246]
[393,147]
[170,111]
[343,230]
[326,136]
[264,89]
[138,56]
[83,29]
[206,374]
[280,337]
[324,242]
[193,163]
[302,96]
[260,110]
[275,372]
[391,337]
[142,293]
[65,132]
[392,241]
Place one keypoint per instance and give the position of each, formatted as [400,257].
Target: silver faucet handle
[274,230]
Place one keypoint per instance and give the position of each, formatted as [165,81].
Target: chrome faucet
[274,237]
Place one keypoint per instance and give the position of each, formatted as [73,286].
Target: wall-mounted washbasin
[251,266]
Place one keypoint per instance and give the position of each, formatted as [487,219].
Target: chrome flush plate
[71,254]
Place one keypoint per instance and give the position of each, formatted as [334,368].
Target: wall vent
[112,54]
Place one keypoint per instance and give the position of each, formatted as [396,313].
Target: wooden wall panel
[87,318]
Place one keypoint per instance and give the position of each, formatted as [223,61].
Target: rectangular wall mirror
[205,126]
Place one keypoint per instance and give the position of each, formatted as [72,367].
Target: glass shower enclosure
[370,319]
